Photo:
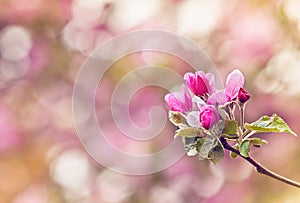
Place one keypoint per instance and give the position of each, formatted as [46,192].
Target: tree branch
[259,168]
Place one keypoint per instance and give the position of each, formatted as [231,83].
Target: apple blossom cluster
[205,99]
[206,117]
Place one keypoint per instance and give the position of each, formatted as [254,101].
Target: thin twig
[259,168]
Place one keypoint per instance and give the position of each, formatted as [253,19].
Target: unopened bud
[243,95]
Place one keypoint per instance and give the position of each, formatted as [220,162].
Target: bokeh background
[43,44]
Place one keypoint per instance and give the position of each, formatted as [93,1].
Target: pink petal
[187,99]
[217,98]
[204,82]
[173,102]
[179,101]
[235,80]
[211,79]
[197,82]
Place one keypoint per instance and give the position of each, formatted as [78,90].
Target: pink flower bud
[243,95]
[200,83]
[179,101]
[208,116]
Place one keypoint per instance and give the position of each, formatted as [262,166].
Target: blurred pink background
[43,44]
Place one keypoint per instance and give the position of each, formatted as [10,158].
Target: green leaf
[270,124]
[216,154]
[233,155]
[205,146]
[257,141]
[200,142]
[188,132]
[245,148]
[189,141]
[177,118]
[230,128]
[190,145]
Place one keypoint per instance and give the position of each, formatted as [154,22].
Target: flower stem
[230,109]
[242,115]
[259,168]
